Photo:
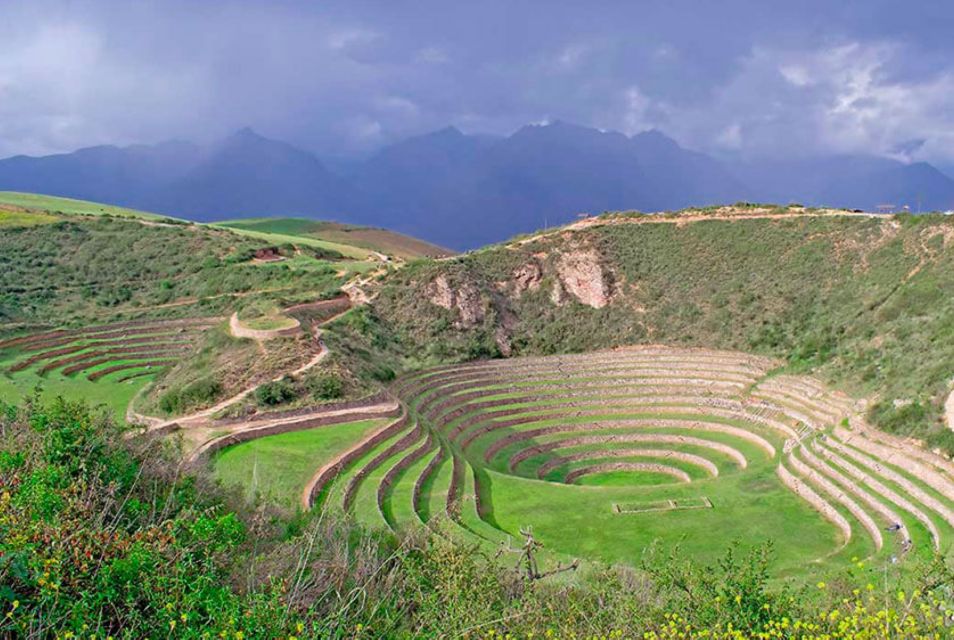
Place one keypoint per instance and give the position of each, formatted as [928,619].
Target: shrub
[276,392]
[327,386]
[202,391]
[897,419]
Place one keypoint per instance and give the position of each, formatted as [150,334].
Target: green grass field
[277,467]
[13,219]
[269,323]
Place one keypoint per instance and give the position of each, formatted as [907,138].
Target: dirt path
[153,423]
[200,417]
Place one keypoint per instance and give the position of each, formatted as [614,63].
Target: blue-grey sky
[344,78]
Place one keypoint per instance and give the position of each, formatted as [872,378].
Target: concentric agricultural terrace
[606,452]
[120,351]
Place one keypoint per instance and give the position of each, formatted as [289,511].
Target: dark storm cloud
[346,77]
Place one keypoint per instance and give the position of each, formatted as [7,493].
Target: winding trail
[199,418]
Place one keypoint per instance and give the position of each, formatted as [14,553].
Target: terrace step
[835,494]
[397,485]
[626,439]
[889,455]
[695,428]
[667,455]
[329,482]
[361,494]
[911,488]
[880,489]
[802,490]
[889,518]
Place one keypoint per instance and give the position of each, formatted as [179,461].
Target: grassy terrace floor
[277,467]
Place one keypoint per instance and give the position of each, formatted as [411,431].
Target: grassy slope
[72,206]
[95,269]
[282,238]
[279,466]
[368,238]
[866,303]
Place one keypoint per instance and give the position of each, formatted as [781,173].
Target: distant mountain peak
[450,132]
[246,132]
[655,139]
[246,136]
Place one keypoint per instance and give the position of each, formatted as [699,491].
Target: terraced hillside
[604,454]
[866,303]
[120,356]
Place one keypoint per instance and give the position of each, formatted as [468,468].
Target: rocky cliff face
[465,299]
[577,275]
[582,275]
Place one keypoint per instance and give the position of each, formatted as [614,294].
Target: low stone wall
[452,504]
[623,438]
[327,473]
[805,492]
[605,467]
[425,475]
[96,375]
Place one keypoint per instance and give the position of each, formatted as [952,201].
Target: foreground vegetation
[101,537]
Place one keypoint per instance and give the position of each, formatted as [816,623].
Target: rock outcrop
[465,300]
[581,275]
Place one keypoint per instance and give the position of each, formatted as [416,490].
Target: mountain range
[462,190]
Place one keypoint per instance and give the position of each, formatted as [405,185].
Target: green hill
[35,201]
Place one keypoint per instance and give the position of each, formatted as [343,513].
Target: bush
[202,391]
[327,386]
[899,420]
[276,392]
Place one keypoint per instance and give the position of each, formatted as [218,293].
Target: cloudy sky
[344,78]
